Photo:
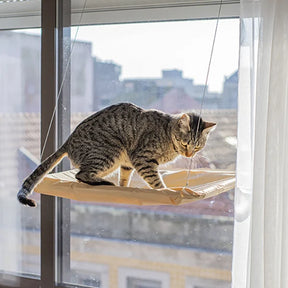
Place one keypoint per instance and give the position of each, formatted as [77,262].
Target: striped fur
[128,137]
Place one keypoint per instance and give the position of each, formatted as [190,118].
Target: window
[100,245]
[130,277]
[195,282]
[19,150]
[142,283]
[151,65]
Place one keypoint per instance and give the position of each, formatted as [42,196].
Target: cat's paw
[186,192]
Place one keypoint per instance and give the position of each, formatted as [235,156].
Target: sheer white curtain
[261,226]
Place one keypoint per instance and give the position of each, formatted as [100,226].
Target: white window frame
[149,11]
[27,13]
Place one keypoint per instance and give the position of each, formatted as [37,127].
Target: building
[106,83]
[174,79]
[82,77]
[24,55]
[176,100]
[142,92]
[229,99]
[156,92]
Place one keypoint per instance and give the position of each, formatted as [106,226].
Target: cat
[125,136]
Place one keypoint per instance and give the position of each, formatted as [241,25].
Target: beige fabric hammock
[201,184]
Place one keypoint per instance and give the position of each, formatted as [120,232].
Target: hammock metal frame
[202,184]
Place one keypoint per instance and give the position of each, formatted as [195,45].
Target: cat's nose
[189,153]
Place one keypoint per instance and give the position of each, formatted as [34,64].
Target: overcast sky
[144,49]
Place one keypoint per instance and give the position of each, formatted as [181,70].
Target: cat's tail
[38,174]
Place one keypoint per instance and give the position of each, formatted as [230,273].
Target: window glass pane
[20,58]
[161,66]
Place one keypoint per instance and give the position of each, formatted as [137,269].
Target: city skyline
[96,84]
[145,49]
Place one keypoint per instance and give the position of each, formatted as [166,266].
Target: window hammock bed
[201,184]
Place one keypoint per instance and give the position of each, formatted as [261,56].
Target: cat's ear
[184,122]
[208,126]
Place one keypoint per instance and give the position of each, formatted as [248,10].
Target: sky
[144,49]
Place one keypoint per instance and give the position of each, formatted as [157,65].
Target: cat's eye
[197,148]
[184,143]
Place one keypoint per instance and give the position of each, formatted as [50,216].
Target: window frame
[23,13]
[161,11]
[55,16]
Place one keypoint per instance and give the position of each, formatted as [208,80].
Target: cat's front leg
[148,170]
[125,173]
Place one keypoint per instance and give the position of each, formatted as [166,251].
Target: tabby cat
[128,137]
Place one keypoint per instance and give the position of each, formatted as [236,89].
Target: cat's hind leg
[91,177]
[125,173]
[94,165]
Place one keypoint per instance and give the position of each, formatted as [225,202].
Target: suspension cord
[205,87]
[63,80]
